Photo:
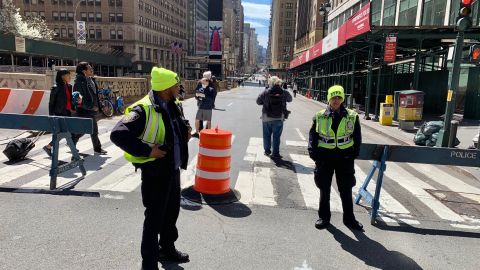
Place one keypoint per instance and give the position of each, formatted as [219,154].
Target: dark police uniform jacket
[126,132]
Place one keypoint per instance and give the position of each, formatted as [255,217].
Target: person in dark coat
[60,103]
[159,148]
[86,85]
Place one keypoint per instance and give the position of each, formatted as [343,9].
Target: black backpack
[276,105]
[17,149]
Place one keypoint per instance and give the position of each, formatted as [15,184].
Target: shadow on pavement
[61,192]
[171,266]
[425,231]
[233,210]
[371,252]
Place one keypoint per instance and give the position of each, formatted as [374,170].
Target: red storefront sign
[390,49]
[359,23]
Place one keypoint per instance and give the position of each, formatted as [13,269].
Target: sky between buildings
[257,14]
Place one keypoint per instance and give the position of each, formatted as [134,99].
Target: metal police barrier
[412,154]
[61,128]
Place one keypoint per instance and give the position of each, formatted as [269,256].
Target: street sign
[81,33]
[390,49]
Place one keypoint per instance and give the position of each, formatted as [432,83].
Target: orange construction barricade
[212,178]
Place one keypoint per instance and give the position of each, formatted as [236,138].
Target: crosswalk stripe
[244,185]
[123,179]
[310,192]
[26,167]
[44,181]
[387,202]
[187,177]
[255,151]
[417,188]
[300,134]
[262,187]
[445,179]
[297,143]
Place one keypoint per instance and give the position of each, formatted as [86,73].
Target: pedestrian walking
[334,143]
[295,89]
[154,136]
[60,103]
[274,112]
[205,95]
[86,85]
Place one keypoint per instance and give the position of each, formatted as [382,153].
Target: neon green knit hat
[336,91]
[162,79]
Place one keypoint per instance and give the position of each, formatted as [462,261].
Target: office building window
[55,15]
[70,16]
[42,14]
[98,3]
[91,17]
[70,32]
[112,17]
[90,2]
[408,12]
[57,32]
[155,55]
[99,17]
[99,33]
[119,17]
[376,11]
[64,32]
[389,12]
[434,12]
[83,16]
[119,34]
[113,34]
[140,53]
[148,53]
[63,16]
[91,33]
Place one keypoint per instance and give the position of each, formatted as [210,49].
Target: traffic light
[475,54]
[464,21]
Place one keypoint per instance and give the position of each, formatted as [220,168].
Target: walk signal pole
[464,22]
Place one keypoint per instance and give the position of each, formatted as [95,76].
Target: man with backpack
[274,112]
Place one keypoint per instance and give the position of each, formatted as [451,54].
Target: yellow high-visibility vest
[154,131]
[344,137]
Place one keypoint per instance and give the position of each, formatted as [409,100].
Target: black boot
[322,224]
[353,225]
[173,255]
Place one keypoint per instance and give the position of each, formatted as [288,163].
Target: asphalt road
[98,224]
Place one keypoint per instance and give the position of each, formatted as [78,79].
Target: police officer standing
[154,136]
[334,143]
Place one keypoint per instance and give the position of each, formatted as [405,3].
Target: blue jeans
[274,128]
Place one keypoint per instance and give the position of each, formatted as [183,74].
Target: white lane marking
[187,177]
[464,226]
[417,188]
[114,197]
[304,167]
[41,161]
[44,181]
[387,202]
[445,179]
[244,185]
[300,134]
[124,179]
[229,104]
[262,187]
[255,151]
[297,143]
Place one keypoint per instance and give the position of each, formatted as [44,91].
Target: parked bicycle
[110,102]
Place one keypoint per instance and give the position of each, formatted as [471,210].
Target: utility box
[410,105]
[410,114]
[386,114]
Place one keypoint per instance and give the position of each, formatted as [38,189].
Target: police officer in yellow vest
[154,136]
[334,143]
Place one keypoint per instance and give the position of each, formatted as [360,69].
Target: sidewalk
[465,133]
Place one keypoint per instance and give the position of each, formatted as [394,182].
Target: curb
[397,140]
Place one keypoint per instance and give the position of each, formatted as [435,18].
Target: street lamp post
[323,10]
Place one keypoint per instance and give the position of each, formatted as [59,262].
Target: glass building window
[119,17]
[376,11]
[64,32]
[63,16]
[148,54]
[99,33]
[408,12]
[455,7]
[70,32]
[55,16]
[113,34]
[112,17]
[91,17]
[70,16]
[389,12]
[99,17]
[91,33]
[140,53]
[83,16]
[119,34]
[434,12]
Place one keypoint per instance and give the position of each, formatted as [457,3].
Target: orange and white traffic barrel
[212,178]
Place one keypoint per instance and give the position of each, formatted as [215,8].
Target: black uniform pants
[345,174]
[161,198]
[97,146]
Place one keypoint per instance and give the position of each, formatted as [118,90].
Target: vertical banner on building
[81,33]
[20,44]
[390,54]
[215,35]
[201,37]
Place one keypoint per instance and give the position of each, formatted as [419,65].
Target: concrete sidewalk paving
[465,134]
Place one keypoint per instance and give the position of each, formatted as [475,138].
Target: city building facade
[282,37]
[154,32]
[309,27]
